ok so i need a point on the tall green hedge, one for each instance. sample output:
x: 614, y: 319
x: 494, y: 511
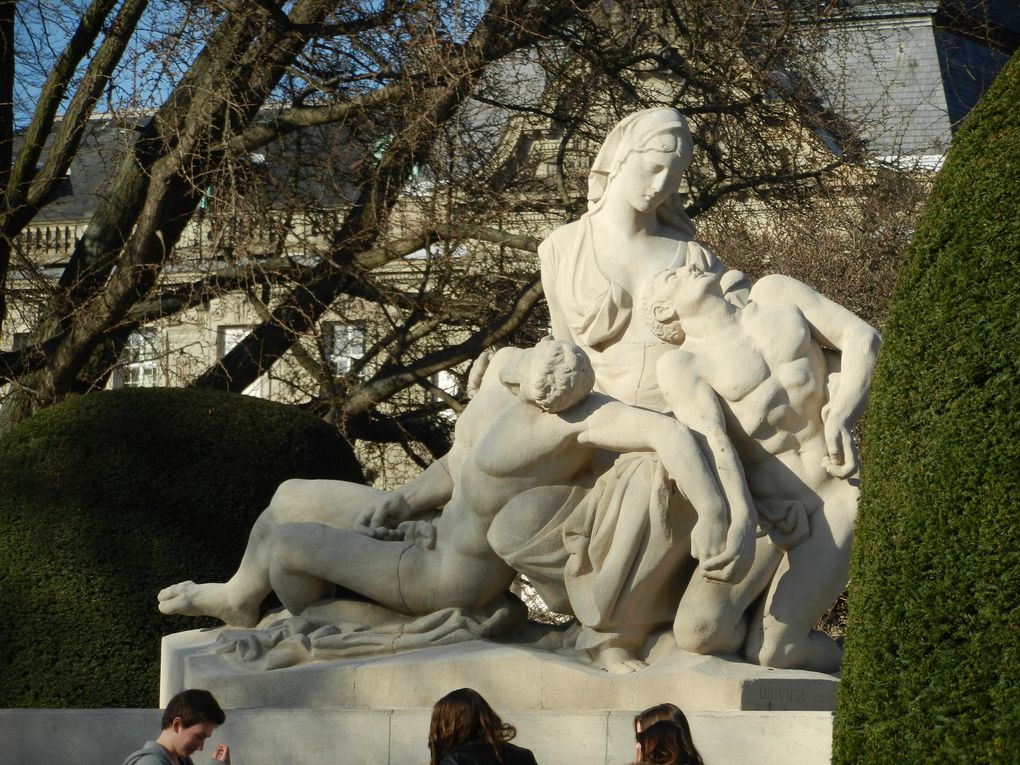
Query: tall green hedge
x: 932, y: 666
x: 107, y: 498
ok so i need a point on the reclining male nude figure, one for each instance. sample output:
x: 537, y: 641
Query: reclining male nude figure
x: 533, y: 423
x: 753, y: 379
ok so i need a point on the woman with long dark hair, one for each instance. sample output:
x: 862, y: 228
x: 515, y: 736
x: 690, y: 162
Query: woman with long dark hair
x: 663, y: 737
x: 466, y: 731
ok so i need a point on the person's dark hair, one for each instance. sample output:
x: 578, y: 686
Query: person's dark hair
x: 193, y: 706
x: 665, y: 737
x: 463, y: 715
x: 664, y: 711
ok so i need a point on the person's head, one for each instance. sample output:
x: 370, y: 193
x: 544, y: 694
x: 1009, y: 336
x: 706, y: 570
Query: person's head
x: 652, y: 715
x: 463, y: 715
x: 188, y: 720
x: 673, y: 295
x: 667, y: 741
x: 644, y: 158
x: 553, y: 375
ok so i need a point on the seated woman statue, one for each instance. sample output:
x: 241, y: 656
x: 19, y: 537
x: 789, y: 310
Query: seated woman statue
x: 626, y: 562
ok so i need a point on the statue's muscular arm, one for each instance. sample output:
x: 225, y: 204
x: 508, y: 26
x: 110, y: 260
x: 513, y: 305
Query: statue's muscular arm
x: 834, y: 327
x: 609, y: 424
x: 433, y: 488
x: 696, y: 404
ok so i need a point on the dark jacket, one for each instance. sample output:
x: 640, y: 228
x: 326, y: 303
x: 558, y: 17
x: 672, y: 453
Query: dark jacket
x: 478, y: 752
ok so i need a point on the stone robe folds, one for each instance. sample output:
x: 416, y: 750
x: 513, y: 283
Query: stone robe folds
x: 611, y: 553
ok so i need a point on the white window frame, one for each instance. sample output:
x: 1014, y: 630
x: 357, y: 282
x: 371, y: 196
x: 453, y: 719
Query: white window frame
x: 139, y: 361
x: 344, y: 343
x: 228, y: 336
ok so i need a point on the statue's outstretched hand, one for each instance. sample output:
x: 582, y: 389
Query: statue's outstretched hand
x: 381, y: 518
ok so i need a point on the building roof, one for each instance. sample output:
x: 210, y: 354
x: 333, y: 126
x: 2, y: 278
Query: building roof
x: 912, y: 70
x: 313, y: 167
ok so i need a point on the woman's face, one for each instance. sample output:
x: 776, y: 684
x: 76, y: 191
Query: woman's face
x: 648, y: 177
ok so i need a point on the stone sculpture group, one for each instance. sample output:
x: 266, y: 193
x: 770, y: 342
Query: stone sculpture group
x: 679, y: 453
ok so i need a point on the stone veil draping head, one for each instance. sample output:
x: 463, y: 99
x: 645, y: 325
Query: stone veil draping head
x: 634, y: 133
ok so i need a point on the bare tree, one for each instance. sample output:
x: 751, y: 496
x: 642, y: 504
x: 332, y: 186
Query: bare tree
x: 435, y: 144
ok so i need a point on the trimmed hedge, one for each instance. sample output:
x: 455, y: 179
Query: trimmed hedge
x: 932, y: 665
x: 107, y: 498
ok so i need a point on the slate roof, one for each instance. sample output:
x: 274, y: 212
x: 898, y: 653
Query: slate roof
x: 913, y: 70
x: 311, y: 167
x: 76, y: 196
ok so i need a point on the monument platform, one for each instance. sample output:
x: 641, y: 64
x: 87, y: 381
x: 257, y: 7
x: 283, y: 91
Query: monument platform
x: 510, y: 676
x: 376, y: 709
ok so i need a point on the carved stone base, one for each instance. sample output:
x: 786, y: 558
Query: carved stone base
x: 511, y: 676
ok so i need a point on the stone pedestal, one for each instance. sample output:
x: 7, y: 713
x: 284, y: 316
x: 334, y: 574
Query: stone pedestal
x: 509, y: 676
x: 376, y: 709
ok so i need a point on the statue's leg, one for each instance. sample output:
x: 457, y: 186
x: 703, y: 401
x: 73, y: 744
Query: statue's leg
x: 816, y: 571
x: 403, y: 576
x: 711, y: 615
x: 237, y: 601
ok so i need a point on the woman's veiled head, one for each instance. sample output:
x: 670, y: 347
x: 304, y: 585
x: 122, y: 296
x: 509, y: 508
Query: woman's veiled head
x: 661, y: 130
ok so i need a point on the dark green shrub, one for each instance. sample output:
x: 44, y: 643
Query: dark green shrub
x: 107, y: 498
x: 932, y: 666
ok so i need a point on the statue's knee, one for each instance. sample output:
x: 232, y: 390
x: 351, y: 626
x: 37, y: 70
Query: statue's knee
x: 288, y: 505
x: 696, y: 633
x: 286, y: 543
x: 287, y: 492
x: 847, y: 522
x: 773, y: 654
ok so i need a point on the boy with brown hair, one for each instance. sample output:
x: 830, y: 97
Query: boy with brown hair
x: 188, y: 720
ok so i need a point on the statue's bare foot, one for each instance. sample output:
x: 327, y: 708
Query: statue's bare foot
x: 212, y: 599
x: 816, y: 652
x: 618, y: 660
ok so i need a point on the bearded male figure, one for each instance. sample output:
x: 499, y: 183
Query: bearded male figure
x: 755, y: 383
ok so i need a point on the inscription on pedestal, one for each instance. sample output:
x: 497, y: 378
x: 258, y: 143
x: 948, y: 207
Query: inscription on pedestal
x: 804, y: 695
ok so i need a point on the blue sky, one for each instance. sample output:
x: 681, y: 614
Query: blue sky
x: 167, y: 39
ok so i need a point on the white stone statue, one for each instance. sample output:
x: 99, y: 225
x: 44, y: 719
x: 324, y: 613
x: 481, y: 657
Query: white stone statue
x: 752, y: 381
x: 522, y: 447
x: 632, y: 507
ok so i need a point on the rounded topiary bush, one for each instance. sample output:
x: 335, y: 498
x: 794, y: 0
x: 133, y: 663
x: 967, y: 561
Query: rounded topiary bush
x: 107, y: 498
x: 932, y: 662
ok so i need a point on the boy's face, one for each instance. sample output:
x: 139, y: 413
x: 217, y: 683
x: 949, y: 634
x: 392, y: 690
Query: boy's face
x: 191, y: 739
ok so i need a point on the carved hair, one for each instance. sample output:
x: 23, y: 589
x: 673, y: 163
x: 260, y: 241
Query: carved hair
x: 562, y: 375
x: 668, y: 742
x: 634, y: 134
x: 464, y: 715
x: 670, y: 330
